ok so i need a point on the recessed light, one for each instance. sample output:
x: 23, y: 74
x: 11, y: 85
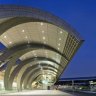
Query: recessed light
x: 26, y: 37
x: 41, y: 23
x: 5, y: 36
x: 59, y: 38
x: 43, y: 38
x: 23, y: 30
x: 58, y: 48
x: 42, y: 31
x: 61, y: 32
x: 10, y: 42
x: 58, y: 44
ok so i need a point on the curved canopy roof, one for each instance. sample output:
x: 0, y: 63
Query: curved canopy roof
x: 30, y: 33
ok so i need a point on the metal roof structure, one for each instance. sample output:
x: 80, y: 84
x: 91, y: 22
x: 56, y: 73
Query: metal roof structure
x: 76, y: 81
x: 78, y: 78
x: 43, y: 44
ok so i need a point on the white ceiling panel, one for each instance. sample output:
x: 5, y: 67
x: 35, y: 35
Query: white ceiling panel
x: 36, y: 32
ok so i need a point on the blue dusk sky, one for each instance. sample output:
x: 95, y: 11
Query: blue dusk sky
x: 81, y: 14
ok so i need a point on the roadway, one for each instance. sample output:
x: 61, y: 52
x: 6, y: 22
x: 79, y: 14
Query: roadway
x: 81, y: 93
x: 49, y: 93
x: 38, y: 93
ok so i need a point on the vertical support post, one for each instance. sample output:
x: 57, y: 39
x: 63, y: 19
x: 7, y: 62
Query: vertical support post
x: 73, y: 86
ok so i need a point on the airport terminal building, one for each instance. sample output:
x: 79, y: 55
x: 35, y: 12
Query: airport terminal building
x: 37, y: 47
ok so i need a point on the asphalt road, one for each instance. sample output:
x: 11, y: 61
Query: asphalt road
x: 77, y: 93
x: 49, y: 93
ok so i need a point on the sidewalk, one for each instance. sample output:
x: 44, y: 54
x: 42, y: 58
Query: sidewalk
x: 39, y: 93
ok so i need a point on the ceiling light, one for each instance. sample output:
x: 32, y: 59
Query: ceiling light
x: 58, y: 48
x: 42, y: 31
x: 5, y: 36
x: 59, y: 38
x: 23, y: 30
x: 43, y: 38
x: 41, y: 23
x: 26, y: 37
x: 61, y: 32
x: 10, y: 42
x: 58, y: 44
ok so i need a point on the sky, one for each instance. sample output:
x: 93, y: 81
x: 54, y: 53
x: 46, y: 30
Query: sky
x: 81, y: 14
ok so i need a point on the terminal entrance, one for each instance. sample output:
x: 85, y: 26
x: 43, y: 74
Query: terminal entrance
x: 36, y: 48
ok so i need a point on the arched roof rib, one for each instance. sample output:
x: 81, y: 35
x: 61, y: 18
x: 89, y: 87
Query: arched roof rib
x: 31, y: 67
x: 34, y: 46
x: 25, y: 62
x: 36, y: 59
x: 36, y: 79
x: 29, y: 73
x: 17, y: 21
x: 40, y: 58
x: 26, y: 78
x: 29, y: 82
x: 18, y: 11
x: 35, y: 71
x: 20, y: 48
